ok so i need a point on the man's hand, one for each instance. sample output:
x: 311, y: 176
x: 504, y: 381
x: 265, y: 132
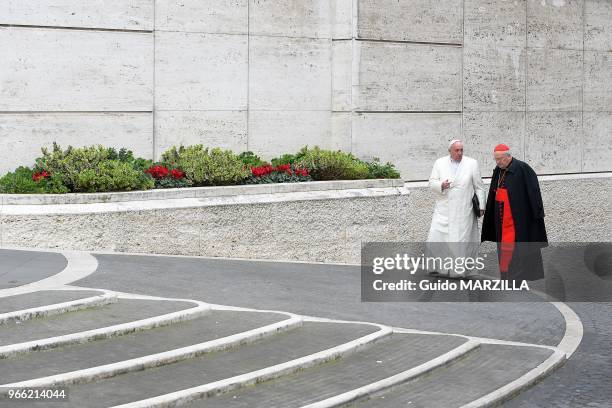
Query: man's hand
x: 481, y: 213
x: 445, y: 184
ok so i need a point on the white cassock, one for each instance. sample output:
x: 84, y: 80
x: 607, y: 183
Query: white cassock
x: 454, y: 222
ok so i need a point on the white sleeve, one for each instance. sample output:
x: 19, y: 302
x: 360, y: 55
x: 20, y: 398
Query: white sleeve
x: 435, y: 184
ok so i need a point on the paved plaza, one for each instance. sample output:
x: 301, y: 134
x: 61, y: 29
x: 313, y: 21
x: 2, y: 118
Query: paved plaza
x: 153, y: 331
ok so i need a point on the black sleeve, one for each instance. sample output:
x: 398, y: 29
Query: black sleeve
x: 533, y: 192
x: 488, y: 221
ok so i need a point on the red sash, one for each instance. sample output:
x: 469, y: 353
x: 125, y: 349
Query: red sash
x: 507, y: 229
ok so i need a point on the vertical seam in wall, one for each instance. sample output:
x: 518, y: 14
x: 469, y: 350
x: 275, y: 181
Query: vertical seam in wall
x: 248, y: 81
x: 1, y: 222
x: 355, y: 57
x: 462, y: 135
x: 332, y: 25
x: 524, y: 141
x: 582, y: 138
x: 332, y: 31
x: 153, y: 113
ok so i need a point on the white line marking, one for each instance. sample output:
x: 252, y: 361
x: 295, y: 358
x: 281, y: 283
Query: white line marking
x: 221, y: 258
x: 158, y: 359
x: 441, y: 360
x: 574, y: 331
x: 104, y: 332
x: 531, y: 377
x: 228, y: 384
x: 79, y: 265
x: 58, y: 308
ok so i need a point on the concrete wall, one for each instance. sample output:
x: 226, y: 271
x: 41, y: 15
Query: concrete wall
x: 307, y: 222
x: 380, y: 78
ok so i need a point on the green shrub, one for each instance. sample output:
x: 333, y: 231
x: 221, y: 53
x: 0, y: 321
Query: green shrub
x: 94, y: 168
x: 204, y: 167
x: 21, y: 182
x: 68, y: 164
x: 289, y: 158
x: 100, y: 169
x: 250, y: 159
x: 376, y: 170
x: 332, y: 165
x: 127, y: 156
x: 112, y: 175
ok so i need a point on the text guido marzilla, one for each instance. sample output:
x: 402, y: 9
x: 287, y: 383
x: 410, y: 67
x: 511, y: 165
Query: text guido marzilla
x: 493, y: 284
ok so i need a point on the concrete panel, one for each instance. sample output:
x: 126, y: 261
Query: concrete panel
x: 415, y: 20
x: 22, y: 135
x: 289, y: 73
x: 200, y: 71
x: 597, y: 81
x: 410, y: 77
x: 47, y: 69
x: 342, y: 18
x: 553, y: 141
x: 598, y: 25
x: 113, y: 14
x: 342, y: 69
x: 274, y: 133
x: 213, y: 16
x: 225, y: 129
x: 597, y: 143
x: 494, y: 78
x: 554, y: 80
x: 290, y: 18
x: 494, y: 22
x: 412, y: 141
x: 482, y: 131
x: 555, y: 23
x: 341, y: 124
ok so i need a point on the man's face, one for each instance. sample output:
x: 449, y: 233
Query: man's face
x: 456, y: 152
x: 502, y: 159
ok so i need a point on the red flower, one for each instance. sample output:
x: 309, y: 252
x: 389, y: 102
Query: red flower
x: 301, y: 172
x: 157, y: 172
x: 177, y: 174
x: 40, y: 175
x: 283, y: 167
x: 262, y: 170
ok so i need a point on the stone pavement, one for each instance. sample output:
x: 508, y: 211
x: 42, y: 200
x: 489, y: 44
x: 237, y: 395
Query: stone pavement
x: 149, y: 331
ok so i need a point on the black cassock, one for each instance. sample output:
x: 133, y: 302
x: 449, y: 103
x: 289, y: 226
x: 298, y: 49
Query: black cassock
x: 527, y: 210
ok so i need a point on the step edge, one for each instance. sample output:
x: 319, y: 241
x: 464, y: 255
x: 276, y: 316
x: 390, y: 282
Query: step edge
x: 158, y: 359
x: 408, y: 375
x: 104, y: 332
x: 58, y: 308
x: 217, y: 387
x: 554, y: 361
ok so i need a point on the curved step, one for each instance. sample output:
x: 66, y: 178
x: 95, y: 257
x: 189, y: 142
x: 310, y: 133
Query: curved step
x: 493, y: 366
x: 527, y: 380
x: 159, y: 359
x: 98, y: 333
x: 242, y: 365
x: 410, y: 374
x: 392, y: 360
x: 57, y: 308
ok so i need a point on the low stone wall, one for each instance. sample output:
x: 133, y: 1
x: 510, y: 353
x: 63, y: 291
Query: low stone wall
x: 324, y: 221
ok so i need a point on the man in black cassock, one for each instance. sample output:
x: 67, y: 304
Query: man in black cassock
x: 514, y: 218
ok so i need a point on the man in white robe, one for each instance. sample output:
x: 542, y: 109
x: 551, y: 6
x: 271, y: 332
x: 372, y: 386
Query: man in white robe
x: 454, y: 228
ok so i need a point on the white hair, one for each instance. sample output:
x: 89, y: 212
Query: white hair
x: 452, y: 142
